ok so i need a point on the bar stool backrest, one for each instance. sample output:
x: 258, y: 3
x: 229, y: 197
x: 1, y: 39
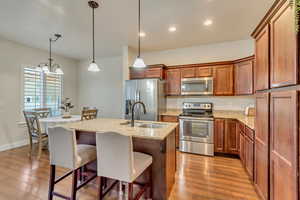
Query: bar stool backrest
x: 115, y: 153
x: 62, y: 147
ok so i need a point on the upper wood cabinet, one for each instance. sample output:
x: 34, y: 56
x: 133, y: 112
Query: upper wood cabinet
x: 204, y: 72
x: 188, y: 72
x: 284, y: 51
x: 261, y: 162
x: 276, y: 44
x: 284, y: 146
x: 219, y: 135
x: 232, y: 138
x: 244, y: 77
x: 152, y: 71
x: 261, y: 67
x: 223, y: 80
x: 173, y: 81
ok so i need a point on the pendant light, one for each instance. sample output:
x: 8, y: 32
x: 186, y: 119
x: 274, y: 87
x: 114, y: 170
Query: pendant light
x: 139, y: 62
x: 93, y: 66
x: 51, y: 67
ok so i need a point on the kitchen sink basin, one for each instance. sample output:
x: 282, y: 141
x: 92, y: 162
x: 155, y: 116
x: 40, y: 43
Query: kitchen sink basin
x: 149, y: 125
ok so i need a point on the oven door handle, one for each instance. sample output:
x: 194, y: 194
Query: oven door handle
x: 191, y: 119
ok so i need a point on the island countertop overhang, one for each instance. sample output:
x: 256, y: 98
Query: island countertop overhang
x: 103, y: 125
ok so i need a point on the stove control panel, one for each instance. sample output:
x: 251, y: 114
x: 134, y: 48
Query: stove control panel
x: 195, y: 105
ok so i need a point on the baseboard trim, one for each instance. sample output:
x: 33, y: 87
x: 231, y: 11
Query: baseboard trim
x: 13, y: 145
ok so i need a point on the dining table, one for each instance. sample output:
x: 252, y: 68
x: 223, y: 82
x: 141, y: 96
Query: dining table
x: 56, y: 121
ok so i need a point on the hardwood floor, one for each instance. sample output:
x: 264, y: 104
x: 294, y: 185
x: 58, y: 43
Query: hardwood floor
x: 197, y: 178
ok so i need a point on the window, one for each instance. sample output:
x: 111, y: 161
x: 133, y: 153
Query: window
x: 42, y: 90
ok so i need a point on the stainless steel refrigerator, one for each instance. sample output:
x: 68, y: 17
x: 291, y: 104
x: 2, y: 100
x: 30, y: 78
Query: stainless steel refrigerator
x: 151, y: 93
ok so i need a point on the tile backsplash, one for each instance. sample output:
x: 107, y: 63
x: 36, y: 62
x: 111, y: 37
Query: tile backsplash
x: 238, y: 103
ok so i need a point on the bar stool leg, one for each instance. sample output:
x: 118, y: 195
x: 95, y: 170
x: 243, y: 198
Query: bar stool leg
x: 51, y: 182
x: 74, y: 184
x: 150, y: 183
x: 100, y: 189
x: 130, y: 191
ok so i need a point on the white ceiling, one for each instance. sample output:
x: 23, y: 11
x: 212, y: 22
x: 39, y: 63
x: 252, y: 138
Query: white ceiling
x: 32, y: 22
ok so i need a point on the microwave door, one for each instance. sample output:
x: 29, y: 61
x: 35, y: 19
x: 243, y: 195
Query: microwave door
x: 197, y: 86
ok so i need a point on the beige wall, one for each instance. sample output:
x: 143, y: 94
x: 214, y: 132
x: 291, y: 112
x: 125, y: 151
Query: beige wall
x: 13, y: 57
x: 202, y: 53
x: 103, y: 89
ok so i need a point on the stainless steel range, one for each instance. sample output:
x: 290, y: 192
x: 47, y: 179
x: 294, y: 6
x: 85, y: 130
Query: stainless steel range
x: 197, y: 128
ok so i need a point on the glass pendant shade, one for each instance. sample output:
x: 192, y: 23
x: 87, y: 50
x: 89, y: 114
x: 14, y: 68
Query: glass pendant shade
x: 93, y: 67
x: 59, y: 71
x: 139, y: 63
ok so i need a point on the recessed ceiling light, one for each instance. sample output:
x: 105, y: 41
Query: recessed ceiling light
x: 208, y: 22
x: 142, y: 34
x: 172, y: 29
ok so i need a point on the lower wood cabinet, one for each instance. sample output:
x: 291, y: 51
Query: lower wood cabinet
x: 219, y: 135
x: 169, y: 118
x: 262, y: 153
x: 249, y: 156
x: 232, y: 138
x: 284, y: 147
x: 226, y: 138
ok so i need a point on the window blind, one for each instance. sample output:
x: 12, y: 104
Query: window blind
x: 42, y: 90
x: 33, y: 89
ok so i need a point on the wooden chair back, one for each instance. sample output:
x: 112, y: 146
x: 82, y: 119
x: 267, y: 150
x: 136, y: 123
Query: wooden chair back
x: 88, y: 114
x: 42, y: 112
x: 33, y: 123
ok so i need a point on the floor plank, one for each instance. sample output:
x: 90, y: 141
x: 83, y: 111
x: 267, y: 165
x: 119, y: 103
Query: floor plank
x: 197, y: 178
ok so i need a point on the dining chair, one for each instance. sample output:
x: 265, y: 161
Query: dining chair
x: 66, y: 153
x: 88, y: 114
x: 119, y: 162
x: 43, y: 112
x: 34, y: 130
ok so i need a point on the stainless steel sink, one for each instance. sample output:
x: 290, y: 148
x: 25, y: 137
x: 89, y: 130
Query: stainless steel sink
x: 149, y: 125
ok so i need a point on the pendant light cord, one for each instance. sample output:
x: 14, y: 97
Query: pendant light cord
x: 139, y: 27
x: 93, y: 35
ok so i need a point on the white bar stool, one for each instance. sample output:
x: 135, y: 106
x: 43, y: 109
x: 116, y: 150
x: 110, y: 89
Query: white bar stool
x: 119, y: 162
x: 64, y: 152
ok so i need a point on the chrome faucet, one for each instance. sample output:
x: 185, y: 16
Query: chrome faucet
x: 132, y: 111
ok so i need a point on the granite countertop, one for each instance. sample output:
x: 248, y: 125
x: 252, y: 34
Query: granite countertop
x: 114, y: 125
x: 227, y: 114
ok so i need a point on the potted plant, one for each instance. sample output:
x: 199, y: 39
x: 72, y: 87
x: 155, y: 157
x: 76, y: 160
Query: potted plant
x: 66, y: 106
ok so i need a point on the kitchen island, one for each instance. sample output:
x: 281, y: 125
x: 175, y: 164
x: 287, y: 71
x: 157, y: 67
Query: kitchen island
x: 154, y: 138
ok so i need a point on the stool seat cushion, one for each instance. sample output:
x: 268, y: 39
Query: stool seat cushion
x: 141, y: 163
x: 85, y: 154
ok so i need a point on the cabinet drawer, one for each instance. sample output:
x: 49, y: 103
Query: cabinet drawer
x: 168, y: 118
x: 249, y: 132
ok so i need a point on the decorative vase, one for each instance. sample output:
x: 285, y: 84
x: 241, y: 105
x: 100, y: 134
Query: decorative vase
x: 66, y: 114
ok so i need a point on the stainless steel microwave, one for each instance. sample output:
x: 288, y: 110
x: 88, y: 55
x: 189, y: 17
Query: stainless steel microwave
x: 197, y: 86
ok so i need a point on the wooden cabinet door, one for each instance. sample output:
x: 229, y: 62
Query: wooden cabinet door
x: 284, y: 145
x: 223, y: 80
x: 204, y: 72
x: 136, y: 73
x: 284, y: 56
x: 249, y: 156
x: 173, y: 82
x: 188, y: 72
x: 261, y: 162
x: 232, y: 139
x: 242, y: 147
x: 154, y: 73
x: 219, y: 135
x: 168, y: 118
x: 261, y: 67
x: 244, y: 78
